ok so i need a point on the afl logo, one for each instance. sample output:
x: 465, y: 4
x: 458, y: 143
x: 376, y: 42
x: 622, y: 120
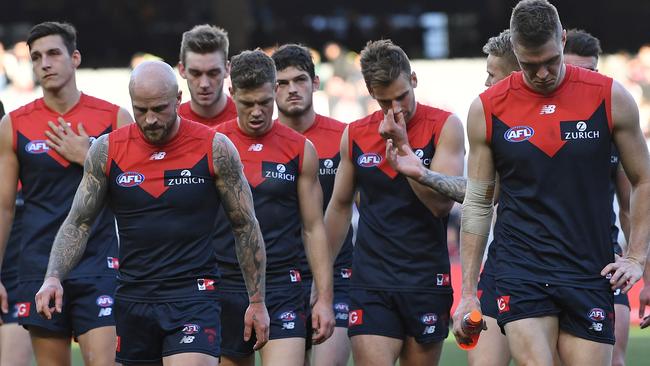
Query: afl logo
x: 104, y: 301
x: 519, y: 134
x: 597, y: 314
x: 328, y: 163
x: 280, y: 168
x: 288, y: 316
x: 369, y: 160
x: 429, y: 319
x: 129, y: 179
x: 37, y: 147
x: 581, y: 126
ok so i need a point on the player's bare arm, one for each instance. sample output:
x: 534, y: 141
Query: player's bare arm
x: 477, y: 210
x: 633, y: 151
x: 9, y: 174
x: 310, y: 196
x: 447, y: 160
x: 238, y: 205
x: 70, y: 241
x: 237, y: 202
x: 404, y: 161
x: 339, y: 210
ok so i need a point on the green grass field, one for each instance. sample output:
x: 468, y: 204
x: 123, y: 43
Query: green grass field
x: 638, y: 351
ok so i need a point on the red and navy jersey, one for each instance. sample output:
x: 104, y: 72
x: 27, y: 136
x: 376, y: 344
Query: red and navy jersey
x: 325, y: 133
x: 272, y: 165
x: 400, y: 245
x: 12, y: 252
x: 49, y: 183
x: 552, y: 154
x: 228, y: 113
x: 165, y: 201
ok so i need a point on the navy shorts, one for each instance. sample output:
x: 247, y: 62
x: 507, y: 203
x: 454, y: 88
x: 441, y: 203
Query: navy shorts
x: 585, y: 313
x: 421, y: 315
x: 621, y: 298
x: 487, y: 295
x: 286, y: 309
x: 306, y: 288
x: 11, y: 285
x: 87, y: 304
x: 147, y: 332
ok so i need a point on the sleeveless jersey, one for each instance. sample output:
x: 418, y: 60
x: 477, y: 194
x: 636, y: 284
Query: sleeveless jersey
x: 165, y: 202
x: 49, y: 183
x: 229, y: 112
x: 12, y: 252
x: 272, y: 164
x: 400, y: 245
x: 325, y: 134
x: 552, y: 154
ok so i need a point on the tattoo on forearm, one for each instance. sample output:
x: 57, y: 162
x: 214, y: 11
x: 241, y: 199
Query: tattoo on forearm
x: 449, y: 186
x: 237, y: 202
x: 70, y: 242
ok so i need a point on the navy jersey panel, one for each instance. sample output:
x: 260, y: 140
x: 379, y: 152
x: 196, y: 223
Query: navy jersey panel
x: 165, y: 201
x: 552, y: 154
x: 49, y: 183
x: 326, y: 134
x: 12, y: 251
x: 272, y: 164
x: 400, y: 245
x: 614, y: 161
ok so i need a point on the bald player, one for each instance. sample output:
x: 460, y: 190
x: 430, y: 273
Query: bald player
x: 161, y: 176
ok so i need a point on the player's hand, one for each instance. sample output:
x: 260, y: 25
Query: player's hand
x: 4, y: 302
x: 257, y: 318
x: 394, y: 127
x: 404, y: 160
x: 467, y: 304
x: 625, y: 272
x: 322, y: 321
x: 50, y: 290
x: 73, y: 147
x: 644, y: 300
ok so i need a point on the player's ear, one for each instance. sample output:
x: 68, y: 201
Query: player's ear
x: 414, y: 79
x: 316, y: 82
x: 181, y: 70
x: 76, y: 58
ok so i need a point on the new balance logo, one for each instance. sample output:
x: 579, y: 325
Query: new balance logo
x: 105, y: 312
x: 547, y: 109
x: 187, y: 339
x: 256, y: 147
x: 158, y: 155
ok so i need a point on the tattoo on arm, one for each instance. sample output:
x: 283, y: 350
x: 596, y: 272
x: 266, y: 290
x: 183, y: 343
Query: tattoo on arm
x: 449, y: 186
x: 237, y: 202
x: 70, y: 242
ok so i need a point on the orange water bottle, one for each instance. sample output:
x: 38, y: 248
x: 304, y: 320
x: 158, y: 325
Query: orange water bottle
x: 472, y: 326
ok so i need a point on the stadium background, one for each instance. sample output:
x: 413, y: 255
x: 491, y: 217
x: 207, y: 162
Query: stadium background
x: 443, y: 38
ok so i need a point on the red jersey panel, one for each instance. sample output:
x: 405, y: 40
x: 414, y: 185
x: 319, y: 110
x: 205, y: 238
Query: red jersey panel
x: 400, y: 245
x: 553, y: 155
x: 49, y: 183
x: 228, y: 113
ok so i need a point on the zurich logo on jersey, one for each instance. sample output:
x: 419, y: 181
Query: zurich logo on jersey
x: 129, y: 179
x: 519, y: 134
x: 37, y: 147
x: 369, y: 160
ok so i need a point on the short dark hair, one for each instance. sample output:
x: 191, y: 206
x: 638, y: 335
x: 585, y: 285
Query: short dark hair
x: 382, y: 62
x: 581, y: 43
x: 251, y: 69
x: 67, y: 32
x: 534, y: 22
x: 204, y: 39
x: 294, y: 55
x: 501, y: 46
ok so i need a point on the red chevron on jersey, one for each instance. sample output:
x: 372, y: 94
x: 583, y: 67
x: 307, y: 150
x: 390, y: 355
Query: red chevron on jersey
x: 540, y: 119
x: 325, y: 133
x: 423, y: 130
x: 31, y: 121
x: 156, y: 176
x: 261, y: 162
